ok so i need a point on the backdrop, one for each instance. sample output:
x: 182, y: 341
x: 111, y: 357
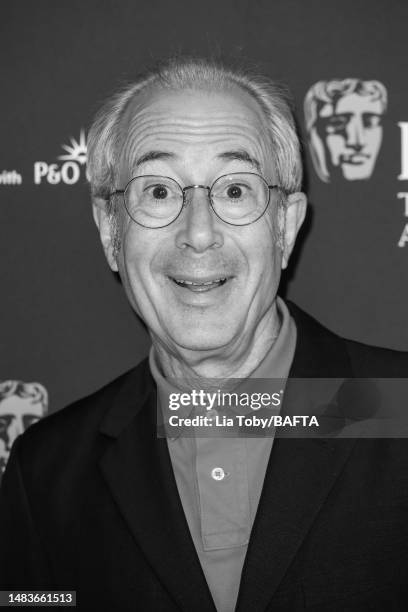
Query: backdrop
x: 66, y: 325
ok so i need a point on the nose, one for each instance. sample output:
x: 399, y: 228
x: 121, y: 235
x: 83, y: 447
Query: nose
x: 13, y: 431
x: 199, y: 228
x: 355, y: 133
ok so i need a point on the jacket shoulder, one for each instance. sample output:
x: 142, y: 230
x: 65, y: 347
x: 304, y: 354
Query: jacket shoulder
x: 341, y: 354
x: 66, y: 436
x: 374, y: 361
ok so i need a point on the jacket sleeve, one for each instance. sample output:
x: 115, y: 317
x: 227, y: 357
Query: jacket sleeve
x: 23, y: 564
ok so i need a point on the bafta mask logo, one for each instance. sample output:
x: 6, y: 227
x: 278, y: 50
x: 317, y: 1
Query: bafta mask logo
x: 21, y: 405
x: 343, y: 123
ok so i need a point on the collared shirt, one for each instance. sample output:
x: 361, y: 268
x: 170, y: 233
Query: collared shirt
x: 219, y: 479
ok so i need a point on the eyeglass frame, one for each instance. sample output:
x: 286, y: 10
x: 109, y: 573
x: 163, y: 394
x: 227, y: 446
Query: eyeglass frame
x: 207, y: 187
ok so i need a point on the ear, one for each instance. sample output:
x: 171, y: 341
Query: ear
x: 104, y: 225
x: 295, y: 213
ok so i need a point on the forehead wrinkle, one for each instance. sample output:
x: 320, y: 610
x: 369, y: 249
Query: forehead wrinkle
x: 149, y: 130
x: 152, y: 110
x: 247, y: 154
x: 203, y: 138
x: 162, y: 139
x: 194, y: 128
x: 155, y: 122
x: 151, y: 135
x: 151, y: 115
x: 213, y: 136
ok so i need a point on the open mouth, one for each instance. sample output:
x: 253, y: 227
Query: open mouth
x: 200, y: 286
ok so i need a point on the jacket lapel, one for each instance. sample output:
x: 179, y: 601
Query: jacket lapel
x: 300, y: 473
x: 138, y: 472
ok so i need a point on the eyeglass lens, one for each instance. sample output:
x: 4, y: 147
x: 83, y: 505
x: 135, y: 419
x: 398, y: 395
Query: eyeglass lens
x: 156, y: 201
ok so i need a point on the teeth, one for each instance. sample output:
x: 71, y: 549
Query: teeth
x: 211, y: 282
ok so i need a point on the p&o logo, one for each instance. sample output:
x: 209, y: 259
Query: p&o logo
x: 69, y: 171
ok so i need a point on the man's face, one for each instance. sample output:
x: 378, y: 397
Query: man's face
x: 352, y: 132
x: 16, y: 414
x: 195, y: 137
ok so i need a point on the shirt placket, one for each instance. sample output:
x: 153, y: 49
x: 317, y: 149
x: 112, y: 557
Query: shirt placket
x: 222, y: 479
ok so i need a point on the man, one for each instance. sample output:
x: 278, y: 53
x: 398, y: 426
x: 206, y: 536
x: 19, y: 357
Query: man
x: 343, y: 120
x: 195, y: 174
x: 21, y: 405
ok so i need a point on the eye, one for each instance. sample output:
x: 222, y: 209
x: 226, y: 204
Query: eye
x: 30, y: 419
x: 5, y: 423
x: 234, y: 192
x: 337, y: 123
x: 160, y: 192
x: 371, y: 120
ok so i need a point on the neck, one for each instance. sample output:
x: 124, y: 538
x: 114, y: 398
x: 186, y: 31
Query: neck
x: 237, y: 362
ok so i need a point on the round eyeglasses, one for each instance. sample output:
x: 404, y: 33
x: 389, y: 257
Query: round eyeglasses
x: 239, y: 198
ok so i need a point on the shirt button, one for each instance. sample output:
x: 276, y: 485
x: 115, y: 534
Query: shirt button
x: 217, y: 473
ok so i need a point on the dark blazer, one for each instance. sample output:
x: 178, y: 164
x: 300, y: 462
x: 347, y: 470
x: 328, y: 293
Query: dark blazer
x: 89, y: 502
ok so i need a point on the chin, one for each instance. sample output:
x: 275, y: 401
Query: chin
x: 197, y: 339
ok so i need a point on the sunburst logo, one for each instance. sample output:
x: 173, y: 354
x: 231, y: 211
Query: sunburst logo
x: 76, y: 151
x: 69, y: 170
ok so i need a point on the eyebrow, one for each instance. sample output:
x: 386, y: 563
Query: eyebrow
x: 241, y: 155
x: 152, y: 156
